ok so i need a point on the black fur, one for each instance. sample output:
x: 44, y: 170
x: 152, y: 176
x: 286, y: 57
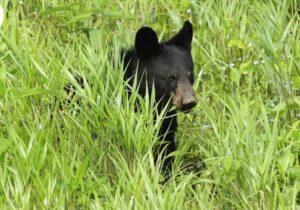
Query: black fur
x: 166, y: 65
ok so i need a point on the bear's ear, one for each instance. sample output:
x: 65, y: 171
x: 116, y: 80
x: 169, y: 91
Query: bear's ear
x: 146, y: 42
x: 184, y: 37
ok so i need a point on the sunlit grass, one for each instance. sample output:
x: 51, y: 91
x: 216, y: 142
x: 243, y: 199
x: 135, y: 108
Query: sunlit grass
x: 238, y: 149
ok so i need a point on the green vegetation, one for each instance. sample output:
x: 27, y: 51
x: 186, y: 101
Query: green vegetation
x: 238, y: 149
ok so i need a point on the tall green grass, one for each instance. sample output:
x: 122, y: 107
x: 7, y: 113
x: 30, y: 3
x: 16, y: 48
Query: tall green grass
x: 238, y: 149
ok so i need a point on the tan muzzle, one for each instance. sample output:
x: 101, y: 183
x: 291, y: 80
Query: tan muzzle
x: 184, y: 96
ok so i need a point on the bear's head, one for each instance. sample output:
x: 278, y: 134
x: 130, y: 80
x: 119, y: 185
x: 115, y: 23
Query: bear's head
x: 168, y: 66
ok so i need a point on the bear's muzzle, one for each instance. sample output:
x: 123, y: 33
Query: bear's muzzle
x: 184, y: 96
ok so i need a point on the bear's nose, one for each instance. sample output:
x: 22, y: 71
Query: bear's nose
x: 188, y: 104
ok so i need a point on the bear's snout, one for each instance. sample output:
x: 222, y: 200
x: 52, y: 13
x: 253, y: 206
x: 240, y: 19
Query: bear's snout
x: 184, y: 96
x: 188, y: 104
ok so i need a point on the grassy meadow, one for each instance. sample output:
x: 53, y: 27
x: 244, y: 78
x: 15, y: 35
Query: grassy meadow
x: 238, y: 149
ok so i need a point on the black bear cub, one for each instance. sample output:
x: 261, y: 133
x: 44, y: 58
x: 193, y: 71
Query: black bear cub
x: 168, y: 66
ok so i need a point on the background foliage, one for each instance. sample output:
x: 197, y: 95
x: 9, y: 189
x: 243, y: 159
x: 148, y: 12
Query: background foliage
x: 238, y: 149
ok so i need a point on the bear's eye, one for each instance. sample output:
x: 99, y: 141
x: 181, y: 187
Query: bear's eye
x: 172, y: 78
x: 191, y: 77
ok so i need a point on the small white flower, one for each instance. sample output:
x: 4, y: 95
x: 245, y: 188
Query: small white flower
x: 273, y: 104
x: 231, y: 65
x: 258, y: 62
x: 1, y: 15
x: 228, y: 152
x: 204, y: 127
x: 40, y: 126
